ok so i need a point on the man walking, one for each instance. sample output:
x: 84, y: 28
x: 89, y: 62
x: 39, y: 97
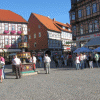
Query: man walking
x: 47, y: 61
x: 16, y: 62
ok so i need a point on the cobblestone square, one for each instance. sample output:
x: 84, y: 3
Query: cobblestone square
x: 60, y: 84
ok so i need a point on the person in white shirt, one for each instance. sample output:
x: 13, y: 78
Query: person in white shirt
x: 77, y: 62
x: 34, y: 62
x: 16, y: 62
x: 47, y: 61
x: 84, y: 56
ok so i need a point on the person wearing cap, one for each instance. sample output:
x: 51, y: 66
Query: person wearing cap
x: 2, y: 60
x: 16, y: 62
x: 47, y: 61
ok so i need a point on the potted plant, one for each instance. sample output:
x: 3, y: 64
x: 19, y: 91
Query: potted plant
x: 7, y: 46
x: 6, y: 31
x: 19, y: 32
x: 13, y: 32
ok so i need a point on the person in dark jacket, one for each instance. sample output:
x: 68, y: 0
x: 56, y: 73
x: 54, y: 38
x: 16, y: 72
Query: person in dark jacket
x: 90, y: 61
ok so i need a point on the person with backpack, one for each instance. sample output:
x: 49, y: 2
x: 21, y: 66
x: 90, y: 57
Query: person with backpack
x: 97, y: 59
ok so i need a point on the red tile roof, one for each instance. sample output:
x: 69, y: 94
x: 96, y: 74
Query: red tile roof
x: 9, y: 16
x: 47, y: 22
x: 51, y: 24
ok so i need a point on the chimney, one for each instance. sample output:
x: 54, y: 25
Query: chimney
x: 48, y: 17
x: 53, y: 19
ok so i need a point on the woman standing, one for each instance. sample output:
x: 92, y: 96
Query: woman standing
x: 77, y: 62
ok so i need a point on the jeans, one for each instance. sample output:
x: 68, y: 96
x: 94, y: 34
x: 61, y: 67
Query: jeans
x: 77, y: 65
x: 91, y: 64
x: 97, y: 64
x: 3, y: 74
x: 82, y: 64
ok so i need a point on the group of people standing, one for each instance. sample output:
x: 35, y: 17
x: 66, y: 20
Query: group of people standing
x: 83, y: 61
x: 65, y: 60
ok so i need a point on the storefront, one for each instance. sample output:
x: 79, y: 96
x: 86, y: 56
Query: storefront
x: 8, y: 54
x: 82, y: 40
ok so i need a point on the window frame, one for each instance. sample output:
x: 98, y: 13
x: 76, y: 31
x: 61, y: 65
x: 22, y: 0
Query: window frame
x: 93, y: 8
x: 88, y: 10
x: 80, y: 13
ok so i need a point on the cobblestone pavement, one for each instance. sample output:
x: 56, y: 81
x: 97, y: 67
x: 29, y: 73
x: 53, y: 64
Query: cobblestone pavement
x: 60, y: 84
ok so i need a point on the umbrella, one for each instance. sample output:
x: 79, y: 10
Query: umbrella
x: 96, y: 50
x: 84, y: 49
x: 77, y: 50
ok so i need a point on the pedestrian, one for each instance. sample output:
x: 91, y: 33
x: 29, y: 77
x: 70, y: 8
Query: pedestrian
x: 16, y: 62
x: 1, y: 74
x: 3, y: 67
x: 81, y: 61
x: 47, y: 61
x: 77, y: 62
x: 97, y: 59
x: 30, y: 59
x: 85, y: 63
x: 34, y: 62
x: 70, y: 60
x: 90, y: 61
x: 40, y: 61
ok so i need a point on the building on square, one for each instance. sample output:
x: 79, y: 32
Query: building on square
x: 84, y: 18
x: 11, y: 27
x: 46, y: 35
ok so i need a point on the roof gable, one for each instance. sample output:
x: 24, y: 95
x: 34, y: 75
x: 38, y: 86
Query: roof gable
x: 9, y: 16
x: 47, y: 22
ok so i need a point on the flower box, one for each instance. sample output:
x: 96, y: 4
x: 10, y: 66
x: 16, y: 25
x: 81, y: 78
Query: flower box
x: 6, y: 32
x: 7, y: 46
x: 13, y: 32
x: 19, y: 32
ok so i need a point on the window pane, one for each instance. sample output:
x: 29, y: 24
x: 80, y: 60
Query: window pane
x: 94, y: 8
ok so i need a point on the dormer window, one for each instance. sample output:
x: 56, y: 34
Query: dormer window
x: 63, y: 27
x: 69, y: 29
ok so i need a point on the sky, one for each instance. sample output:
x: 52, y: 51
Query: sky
x: 58, y: 9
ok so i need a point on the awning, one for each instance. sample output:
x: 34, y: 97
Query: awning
x: 93, y: 42
x: 10, y: 50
